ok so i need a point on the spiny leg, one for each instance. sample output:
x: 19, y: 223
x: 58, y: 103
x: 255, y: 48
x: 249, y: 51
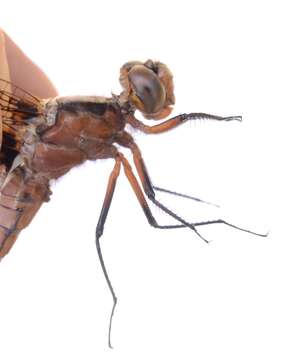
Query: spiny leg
x: 141, y: 198
x: 126, y: 140
x: 103, y: 216
x: 138, y: 191
x: 141, y: 165
x: 207, y: 222
x: 176, y: 121
x: 150, y: 194
x: 221, y: 221
x: 183, y: 195
x: 99, y: 232
x: 218, y: 221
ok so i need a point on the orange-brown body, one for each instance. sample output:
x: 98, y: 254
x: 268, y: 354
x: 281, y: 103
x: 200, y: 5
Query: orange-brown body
x: 43, y: 139
x: 70, y: 131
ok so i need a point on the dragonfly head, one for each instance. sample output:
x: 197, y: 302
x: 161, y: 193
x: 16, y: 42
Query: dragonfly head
x: 149, y: 87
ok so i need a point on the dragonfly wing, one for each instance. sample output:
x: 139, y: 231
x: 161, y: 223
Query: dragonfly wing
x: 17, y: 104
x: 17, y: 108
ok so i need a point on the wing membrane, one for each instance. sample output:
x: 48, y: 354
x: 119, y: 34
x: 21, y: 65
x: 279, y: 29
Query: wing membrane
x: 16, y: 103
x: 17, y: 108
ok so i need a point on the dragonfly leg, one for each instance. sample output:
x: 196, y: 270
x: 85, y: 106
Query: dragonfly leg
x: 99, y: 232
x: 156, y: 188
x: 176, y: 121
x: 126, y: 140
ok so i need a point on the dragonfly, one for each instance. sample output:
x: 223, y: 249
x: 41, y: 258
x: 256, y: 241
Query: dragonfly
x: 42, y: 139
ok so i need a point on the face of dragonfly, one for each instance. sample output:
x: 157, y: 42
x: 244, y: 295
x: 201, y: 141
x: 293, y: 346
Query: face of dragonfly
x: 149, y: 87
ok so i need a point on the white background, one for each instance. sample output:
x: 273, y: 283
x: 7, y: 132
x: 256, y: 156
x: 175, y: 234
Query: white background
x: 178, y: 297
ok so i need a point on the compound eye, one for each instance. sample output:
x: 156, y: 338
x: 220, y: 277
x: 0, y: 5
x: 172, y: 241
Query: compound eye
x: 148, y: 93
